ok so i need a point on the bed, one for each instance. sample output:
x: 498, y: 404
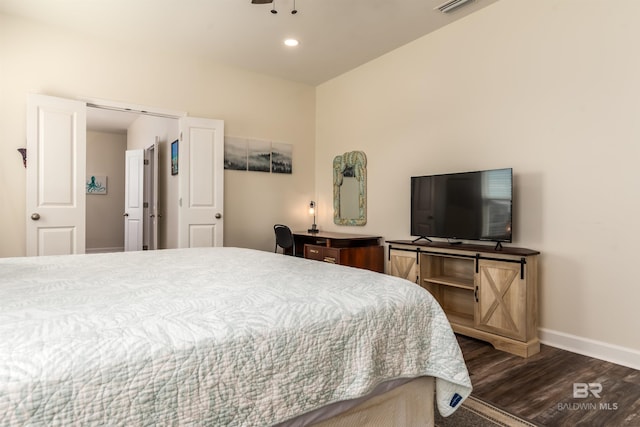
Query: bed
x: 219, y: 337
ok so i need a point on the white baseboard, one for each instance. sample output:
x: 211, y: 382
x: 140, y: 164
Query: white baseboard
x: 592, y: 348
x: 102, y: 250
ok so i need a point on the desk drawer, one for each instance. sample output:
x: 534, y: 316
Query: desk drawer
x: 369, y: 257
x: 314, y: 252
x: 322, y: 253
x: 331, y: 255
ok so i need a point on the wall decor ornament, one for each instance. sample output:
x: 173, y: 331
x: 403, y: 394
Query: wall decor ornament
x: 96, y: 184
x: 23, y: 152
x: 281, y: 158
x: 174, y: 157
x: 350, y: 188
x: 257, y: 155
x: 235, y: 153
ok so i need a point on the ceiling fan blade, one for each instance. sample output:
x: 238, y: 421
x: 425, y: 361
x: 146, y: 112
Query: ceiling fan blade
x: 261, y: 1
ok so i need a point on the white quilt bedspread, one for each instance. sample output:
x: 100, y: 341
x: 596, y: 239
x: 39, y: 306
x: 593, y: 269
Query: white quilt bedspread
x: 217, y: 337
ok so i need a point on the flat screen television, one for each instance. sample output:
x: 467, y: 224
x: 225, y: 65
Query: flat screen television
x: 463, y: 206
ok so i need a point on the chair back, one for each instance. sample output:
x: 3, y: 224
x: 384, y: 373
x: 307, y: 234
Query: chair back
x: 284, y: 238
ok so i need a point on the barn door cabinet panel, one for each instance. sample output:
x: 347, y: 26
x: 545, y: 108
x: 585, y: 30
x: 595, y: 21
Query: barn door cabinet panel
x: 487, y: 293
x: 403, y: 262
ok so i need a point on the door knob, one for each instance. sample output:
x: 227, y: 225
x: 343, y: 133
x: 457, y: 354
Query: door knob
x: 35, y: 216
x: 125, y: 214
x: 218, y: 215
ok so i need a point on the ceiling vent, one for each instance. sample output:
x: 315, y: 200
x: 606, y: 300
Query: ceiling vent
x: 450, y: 5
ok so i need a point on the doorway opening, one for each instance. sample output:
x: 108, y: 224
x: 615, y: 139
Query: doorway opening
x: 111, y: 133
x: 191, y: 205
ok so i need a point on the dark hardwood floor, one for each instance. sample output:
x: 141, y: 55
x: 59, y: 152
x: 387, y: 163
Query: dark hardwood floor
x: 541, y: 388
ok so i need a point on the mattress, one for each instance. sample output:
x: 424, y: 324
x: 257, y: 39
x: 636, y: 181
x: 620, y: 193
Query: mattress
x: 209, y: 336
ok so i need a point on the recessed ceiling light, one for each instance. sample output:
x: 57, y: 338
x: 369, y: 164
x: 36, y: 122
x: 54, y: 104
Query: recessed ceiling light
x: 291, y: 42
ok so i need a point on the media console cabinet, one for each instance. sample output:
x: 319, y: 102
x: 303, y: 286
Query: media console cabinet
x: 487, y: 293
x: 354, y: 250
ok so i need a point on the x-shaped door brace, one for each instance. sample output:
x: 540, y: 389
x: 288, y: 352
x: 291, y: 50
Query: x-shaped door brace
x: 406, y: 265
x: 499, y: 295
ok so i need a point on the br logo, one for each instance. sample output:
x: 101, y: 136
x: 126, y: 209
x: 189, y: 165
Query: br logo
x: 582, y: 390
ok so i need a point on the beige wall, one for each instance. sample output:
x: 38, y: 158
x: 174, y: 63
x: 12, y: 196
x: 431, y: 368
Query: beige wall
x: 40, y: 59
x: 105, y: 156
x: 548, y: 87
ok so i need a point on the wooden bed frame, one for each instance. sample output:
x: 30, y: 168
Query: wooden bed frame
x: 411, y: 404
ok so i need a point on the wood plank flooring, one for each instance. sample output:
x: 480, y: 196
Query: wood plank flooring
x: 541, y: 388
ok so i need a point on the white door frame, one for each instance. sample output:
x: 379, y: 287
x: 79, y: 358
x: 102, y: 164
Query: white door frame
x: 117, y: 106
x: 133, y: 108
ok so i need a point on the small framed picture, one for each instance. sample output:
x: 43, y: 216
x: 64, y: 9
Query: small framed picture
x: 174, y: 157
x: 96, y: 184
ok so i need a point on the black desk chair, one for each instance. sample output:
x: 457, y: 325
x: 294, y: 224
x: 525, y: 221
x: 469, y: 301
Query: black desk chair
x: 284, y: 239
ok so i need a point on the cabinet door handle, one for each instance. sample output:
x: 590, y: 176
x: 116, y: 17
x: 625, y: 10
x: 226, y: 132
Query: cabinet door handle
x: 314, y: 251
x: 332, y: 260
x: 475, y: 294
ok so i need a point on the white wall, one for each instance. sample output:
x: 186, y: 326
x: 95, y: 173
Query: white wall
x: 105, y: 227
x: 40, y: 59
x: 550, y: 88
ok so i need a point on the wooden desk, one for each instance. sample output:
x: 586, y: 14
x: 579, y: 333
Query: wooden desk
x: 355, y: 250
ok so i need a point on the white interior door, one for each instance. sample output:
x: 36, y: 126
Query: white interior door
x: 56, y: 169
x: 201, y: 172
x: 151, y: 217
x: 134, y: 200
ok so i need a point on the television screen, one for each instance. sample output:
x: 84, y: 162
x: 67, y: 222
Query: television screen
x: 463, y: 206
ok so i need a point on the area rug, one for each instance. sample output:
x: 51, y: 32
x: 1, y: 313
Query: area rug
x: 476, y: 413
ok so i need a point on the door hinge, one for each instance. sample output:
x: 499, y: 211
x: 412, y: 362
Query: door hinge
x: 145, y: 248
x: 146, y: 162
x: 180, y: 136
x: 145, y: 205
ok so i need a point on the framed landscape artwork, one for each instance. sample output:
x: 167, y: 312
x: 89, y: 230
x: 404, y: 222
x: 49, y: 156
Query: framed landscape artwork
x: 246, y: 154
x: 174, y: 157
